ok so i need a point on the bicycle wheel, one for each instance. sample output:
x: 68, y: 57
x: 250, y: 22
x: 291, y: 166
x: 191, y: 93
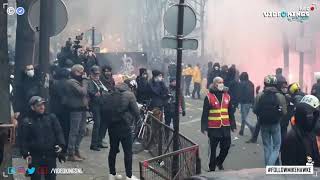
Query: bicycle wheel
x: 145, y: 137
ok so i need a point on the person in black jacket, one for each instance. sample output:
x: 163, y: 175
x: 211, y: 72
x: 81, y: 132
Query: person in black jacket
x: 143, y: 88
x: 280, y: 78
x: 125, y: 113
x: 217, y: 133
x: 28, y: 86
x: 96, y: 90
x: 233, y: 91
x: 246, y: 100
x: 301, y: 144
x: 42, y: 138
x: 158, y: 93
x: 209, y: 70
x: 106, y: 78
x: 57, y: 94
x: 215, y: 72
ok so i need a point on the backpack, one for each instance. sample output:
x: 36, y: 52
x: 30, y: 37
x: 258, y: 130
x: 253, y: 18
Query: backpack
x: 115, y: 106
x: 269, y: 110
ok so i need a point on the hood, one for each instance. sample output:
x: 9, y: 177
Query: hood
x: 244, y: 76
x: 270, y: 89
x: 122, y: 87
x: 142, y: 71
x: 216, y: 65
x: 231, y: 74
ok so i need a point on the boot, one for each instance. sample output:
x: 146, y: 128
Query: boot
x: 132, y: 178
x: 74, y: 158
x: 77, y: 153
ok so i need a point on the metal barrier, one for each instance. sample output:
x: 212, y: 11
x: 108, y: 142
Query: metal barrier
x: 163, y: 165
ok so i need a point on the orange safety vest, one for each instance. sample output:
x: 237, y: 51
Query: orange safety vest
x: 218, y: 113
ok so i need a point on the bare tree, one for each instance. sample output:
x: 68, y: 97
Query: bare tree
x: 4, y: 90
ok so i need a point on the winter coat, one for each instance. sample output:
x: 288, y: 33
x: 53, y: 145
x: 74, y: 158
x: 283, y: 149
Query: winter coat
x: 130, y: 111
x: 233, y: 87
x: 187, y: 71
x: 224, y: 131
x: 108, y: 82
x: 57, y: 95
x: 211, y: 75
x: 25, y: 89
x: 93, y: 89
x: 171, y: 104
x: 40, y: 133
x: 158, y: 93
x: 143, y: 89
x: 281, y: 98
x: 196, y: 75
x: 297, y: 146
x: 246, y: 91
x: 76, y: 98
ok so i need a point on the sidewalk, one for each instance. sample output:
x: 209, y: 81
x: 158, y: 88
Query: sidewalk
x: 95, y: 167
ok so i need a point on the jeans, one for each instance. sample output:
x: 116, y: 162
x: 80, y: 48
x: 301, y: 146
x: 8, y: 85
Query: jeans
x: 271, y: 138
x: 196, y: 89
x: 126, y: 142
x: 188, y: 80
x: 95, y: 138
x: 77, y: 130
x: 244, y: 110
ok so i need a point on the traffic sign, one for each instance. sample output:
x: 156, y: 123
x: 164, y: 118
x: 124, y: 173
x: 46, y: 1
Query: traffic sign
x: 98, y: 37
x: 172, y: 43
x: 170, y: 20
x: 59, y: 17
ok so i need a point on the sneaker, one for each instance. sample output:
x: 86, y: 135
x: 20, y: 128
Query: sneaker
x: 132, y: 178
x: 77, y: 154
x: 74, y: 158
x: 95, y: 148
x: 115, y: 177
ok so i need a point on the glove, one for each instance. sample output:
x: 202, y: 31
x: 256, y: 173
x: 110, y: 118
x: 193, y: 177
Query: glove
x: 57, y: 149
x: 183, y: 113
x: 62, y: 157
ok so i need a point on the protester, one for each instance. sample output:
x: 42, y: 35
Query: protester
x: 42, y: 139
x: 58, y: 101
x: 280, y: 78
x: 197, y: 80
x: 284, y: 123
x: 27, y: 87
x: 106, y: 78
x: 295, y: 93
x: 216, y: 124
x: 316, y: 87
x: 224, y: 72
x: 246, y: 100
x: 97, y: 91
x: 169, y: 110
x: 215, y: 72
x: 256, y: 132
x: 77, y: 104
x: 187, y: 73
x: 301, y: 143
x: 233, y: 91
x: 124, y: 111
x: 209, y: 71
x: 142, y: 83
x: 158, y: 93
x: 270, y: 107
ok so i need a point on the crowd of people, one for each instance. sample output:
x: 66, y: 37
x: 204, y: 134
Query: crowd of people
x: 277, y: 106
x: 55, y: 129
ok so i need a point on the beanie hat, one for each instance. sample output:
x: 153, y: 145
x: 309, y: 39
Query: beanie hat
x: 156, y: 73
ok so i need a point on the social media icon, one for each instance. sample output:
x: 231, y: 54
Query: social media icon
x: 20, y: 11
x: 21, y: 170
x: 43, y: 170
x: 12, y: 170
x: 31, y: 170
x: 11, y: 11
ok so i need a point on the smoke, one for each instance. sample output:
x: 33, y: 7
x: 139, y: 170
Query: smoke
x: 238, y: 33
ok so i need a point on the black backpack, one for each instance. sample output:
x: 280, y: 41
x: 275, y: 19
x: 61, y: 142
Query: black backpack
x: 269, y: 109
x: 116, y: 106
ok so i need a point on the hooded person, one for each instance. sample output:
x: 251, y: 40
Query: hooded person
x: 300, y: 143
x: 215, y: 72
x: 216, y: 122
x: 158, y: 93
x: 142, y: 83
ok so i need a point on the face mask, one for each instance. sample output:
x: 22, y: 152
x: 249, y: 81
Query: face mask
x: 78, y: 78
x: 145, y: 76
x: 216, y: 68
x: 284, y: 90
x: 220, y: 87
x: 158, y: 79
x: 30, y: 73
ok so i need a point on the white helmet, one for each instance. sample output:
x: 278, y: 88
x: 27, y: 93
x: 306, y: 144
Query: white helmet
x: 311, y: 101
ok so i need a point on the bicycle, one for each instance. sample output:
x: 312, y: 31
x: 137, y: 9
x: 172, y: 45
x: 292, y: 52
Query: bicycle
x: 143, y: 128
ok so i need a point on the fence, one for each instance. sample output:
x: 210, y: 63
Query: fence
x: 163, y: 166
